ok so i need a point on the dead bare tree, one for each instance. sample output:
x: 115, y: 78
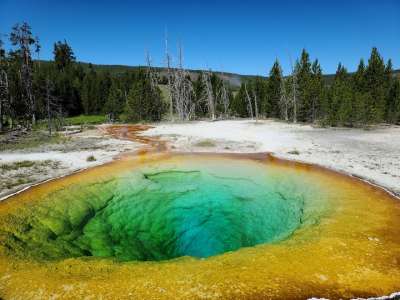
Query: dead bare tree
x: 151, y: 74
x: 37, y: 50
x: 4, y: 85
x: 21, y: 36
x: 294, y: 90
x: 255, y: 105
x: 178, y: 87
x: 169, y: 81
x: 249, y: 102
x: 182, y: 90
x: 209, y: 94
x: 4, y: 94
x: 48, y: 100
x: 53, y: 107
x: 283, y: 100
x: 224, y: 97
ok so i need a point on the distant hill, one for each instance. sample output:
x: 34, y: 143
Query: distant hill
x: 233, y: 79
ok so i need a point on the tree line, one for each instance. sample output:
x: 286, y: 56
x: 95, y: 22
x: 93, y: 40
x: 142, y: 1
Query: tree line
x: 370, y: 95
x: 32, y: 90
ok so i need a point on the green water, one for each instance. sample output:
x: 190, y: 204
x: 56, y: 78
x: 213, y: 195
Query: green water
x: 164, y: 211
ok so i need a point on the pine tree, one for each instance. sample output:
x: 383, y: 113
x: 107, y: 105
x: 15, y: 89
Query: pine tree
x: 215, y: 82
x: 200, y: 96
x: 342, y: 95
x: 115, y: 103
x: 239, y: 103
x: 316, y: 90
x: 340, y: 109
x: 67, y: 85
x: 359, y: 82
x: 393, y: 105
x: 89, y: 91
x: 21, y: 37
x: 271, y: 106
x: 63, y: 55
x: 388, y: 79
x: 304, y: 81
x: 360, y: 95
x: 375, y: 87
x: 144, y: 102
x: 258, y: 89
x: 103, y: 87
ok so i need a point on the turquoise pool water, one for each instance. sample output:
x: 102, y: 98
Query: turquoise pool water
x: 167, y: 210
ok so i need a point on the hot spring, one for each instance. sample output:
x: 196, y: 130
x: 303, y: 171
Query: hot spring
x: 167, y: 210
x: 224, y: 225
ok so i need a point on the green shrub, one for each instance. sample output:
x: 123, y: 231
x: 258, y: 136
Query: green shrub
x: 91, y: 158
x: 294, y: 152
x: 205, y: 143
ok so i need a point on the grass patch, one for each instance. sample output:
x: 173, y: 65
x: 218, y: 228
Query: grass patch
x: 205, y: 143
x: 11, y: 184
x: 74, y: 121
x: 17, y: 165
x: 28, y: 164
x: 40, y: 125
x: 24, y: 164
x: 86, y: 120
x: 24, y: 172
x: 32, y: 139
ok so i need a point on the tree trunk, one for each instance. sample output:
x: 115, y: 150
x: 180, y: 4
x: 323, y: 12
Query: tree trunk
x: 294, y: 87
x: 250, y: 105
x: 1, y: 115
x: 210, y: 96
x: 256, y: 106
x: 48, y: 106
x: 3, y: 96
x: 168, y: 63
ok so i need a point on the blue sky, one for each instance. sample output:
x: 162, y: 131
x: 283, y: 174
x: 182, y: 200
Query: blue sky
x: 234, y: 36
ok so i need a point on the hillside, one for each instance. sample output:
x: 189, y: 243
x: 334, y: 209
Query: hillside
x: 233, y: 79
